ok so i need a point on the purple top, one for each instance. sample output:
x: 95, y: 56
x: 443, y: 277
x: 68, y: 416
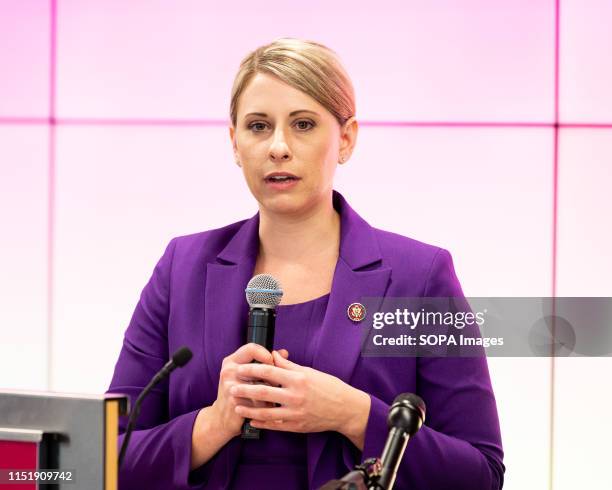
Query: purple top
x: 279, y: 459
x: 198, y: 286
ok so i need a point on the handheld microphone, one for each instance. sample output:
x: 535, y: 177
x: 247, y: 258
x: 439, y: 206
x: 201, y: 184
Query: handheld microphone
x: 263, y: 294
x: 406, y: 416
x: 179, y: 359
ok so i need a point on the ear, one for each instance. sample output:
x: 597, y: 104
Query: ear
x: 348, y: 138
x: 232, y: 135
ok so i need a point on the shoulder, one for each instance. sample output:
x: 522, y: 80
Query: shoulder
x: 397, y: 249
x: 428, y: 264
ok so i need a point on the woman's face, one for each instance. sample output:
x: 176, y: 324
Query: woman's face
x: 280, y: 129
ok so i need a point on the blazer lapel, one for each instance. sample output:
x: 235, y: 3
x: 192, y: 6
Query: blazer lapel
x: 340, y: 342
x: 226, y: 309
x: 225, y: 319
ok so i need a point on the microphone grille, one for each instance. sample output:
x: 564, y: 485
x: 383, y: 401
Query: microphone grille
x: 263, y: 290
x: 407, y: 413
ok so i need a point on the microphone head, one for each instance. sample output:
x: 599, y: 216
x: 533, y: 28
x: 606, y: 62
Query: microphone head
x: 407, y: 413
x: 263, y: 291
x: 182, y: 356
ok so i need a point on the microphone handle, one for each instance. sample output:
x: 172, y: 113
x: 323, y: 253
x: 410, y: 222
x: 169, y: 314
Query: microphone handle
x: 392, y: 457
x: 260, y: 331
x: 261, y: 327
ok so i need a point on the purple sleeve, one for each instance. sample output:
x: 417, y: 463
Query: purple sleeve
x: 459, y: 446
x: 159, y: 452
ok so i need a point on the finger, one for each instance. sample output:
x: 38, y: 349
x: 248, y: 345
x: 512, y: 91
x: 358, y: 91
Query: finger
x: 272, y: 374
x: 251, y: 352
x: 247, y: 379
x: 265, y: 414
x: 261, y: 404
x: 261, y: 392
x: 284, y: 353
x: 246, y: 402
x: 283, y: 362
x: 273, y: 425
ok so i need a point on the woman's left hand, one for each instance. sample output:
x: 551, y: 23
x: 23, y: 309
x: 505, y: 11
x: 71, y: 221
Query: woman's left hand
x: 311, y: 400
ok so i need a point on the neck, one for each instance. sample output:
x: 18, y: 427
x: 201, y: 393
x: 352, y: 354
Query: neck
x: 313, y: 234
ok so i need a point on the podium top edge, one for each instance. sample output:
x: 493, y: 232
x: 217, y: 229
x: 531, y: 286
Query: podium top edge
x: 20, y: 435
x: 55, y: 394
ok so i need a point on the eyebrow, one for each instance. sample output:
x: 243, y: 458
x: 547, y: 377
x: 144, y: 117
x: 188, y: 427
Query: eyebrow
x: 263, y: 114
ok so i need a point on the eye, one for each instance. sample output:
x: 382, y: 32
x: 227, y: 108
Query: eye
x: 257, y: 127
x: 304, y: 125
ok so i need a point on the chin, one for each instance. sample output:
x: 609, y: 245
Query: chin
x: 287, y: 203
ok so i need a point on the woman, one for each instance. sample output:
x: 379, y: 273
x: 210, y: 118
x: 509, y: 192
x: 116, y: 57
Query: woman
x: 324, y: 408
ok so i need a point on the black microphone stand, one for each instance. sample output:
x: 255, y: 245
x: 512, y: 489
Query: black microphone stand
x: 406, y: 416
x: 179, y: 359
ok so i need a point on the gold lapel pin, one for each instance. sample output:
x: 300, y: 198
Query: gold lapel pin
x: 356, y: 312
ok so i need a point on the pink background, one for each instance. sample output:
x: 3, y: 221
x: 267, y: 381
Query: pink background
x: 486, y: 128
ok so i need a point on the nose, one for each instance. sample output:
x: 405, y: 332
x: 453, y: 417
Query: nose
x: 279, y: 150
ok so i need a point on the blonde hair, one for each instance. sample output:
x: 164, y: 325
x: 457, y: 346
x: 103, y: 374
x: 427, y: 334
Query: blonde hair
x: 307, y: 66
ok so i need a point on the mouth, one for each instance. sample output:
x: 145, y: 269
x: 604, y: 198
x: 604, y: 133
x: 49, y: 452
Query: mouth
x: 281, y: 181
x: 280, y: 177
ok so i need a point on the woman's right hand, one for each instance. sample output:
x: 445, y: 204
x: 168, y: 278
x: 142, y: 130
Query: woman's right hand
x: 218, y: 423
x: 223, y: 409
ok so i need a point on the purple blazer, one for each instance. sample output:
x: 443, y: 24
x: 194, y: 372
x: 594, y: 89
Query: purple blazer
x: 195, y: 297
